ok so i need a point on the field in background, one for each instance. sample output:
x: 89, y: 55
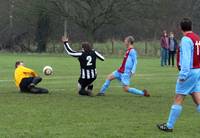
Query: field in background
x: 63, y: 113
x: 148, y: 48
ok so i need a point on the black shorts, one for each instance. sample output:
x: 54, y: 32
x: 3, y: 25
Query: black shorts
x: 25, y: 83
x: 85, y: 82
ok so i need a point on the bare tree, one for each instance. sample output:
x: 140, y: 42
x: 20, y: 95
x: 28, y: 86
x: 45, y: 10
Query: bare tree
x: 91, y: 15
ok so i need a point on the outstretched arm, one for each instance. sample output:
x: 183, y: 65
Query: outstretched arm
x: 30, y: 71
x: 68, y: 49
x: 134, y: 59
x: 99, y: 56
x: 186, y: 56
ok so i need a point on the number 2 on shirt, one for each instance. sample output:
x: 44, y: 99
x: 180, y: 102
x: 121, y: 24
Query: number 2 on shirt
x: 89, y: 61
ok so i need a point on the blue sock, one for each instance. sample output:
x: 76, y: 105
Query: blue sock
x: 174, y: 115
x: 198, y: 108
x: 135, y: 91
x: 105, y: 86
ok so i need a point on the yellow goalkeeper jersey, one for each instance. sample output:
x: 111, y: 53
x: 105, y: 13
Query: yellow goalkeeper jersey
x: 22, y: 72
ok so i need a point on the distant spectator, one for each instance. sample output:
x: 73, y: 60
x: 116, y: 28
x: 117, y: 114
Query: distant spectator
x: 172, y: 48
x: 164, y: 42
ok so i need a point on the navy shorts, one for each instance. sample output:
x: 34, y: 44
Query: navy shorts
x: 25, y: 83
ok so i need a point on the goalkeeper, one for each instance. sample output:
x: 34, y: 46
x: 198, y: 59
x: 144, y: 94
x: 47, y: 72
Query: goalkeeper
x: 26, y: 79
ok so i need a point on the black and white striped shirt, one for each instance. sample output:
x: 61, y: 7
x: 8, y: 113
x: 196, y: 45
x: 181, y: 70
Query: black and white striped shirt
x: 87, y: 61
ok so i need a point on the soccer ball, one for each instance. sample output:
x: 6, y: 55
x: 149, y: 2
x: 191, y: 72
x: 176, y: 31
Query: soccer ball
x: 47, y: 70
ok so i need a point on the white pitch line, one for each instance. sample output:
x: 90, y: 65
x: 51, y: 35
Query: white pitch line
x: 96, y: 87
x: 6, y: 80
x: 102, y: 76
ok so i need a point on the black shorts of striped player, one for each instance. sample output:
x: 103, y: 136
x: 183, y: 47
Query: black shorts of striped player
x: 86, y: 86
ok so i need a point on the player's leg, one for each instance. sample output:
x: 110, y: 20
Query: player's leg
x: 34, y: 82
x: 136, y: 91
x: 125, y: 80
x: 182, y: 89
x: 25, y: 84
x: 37, y: 90
x: 196, y: 99
x: 88, y: 90
x: 90, y: 87
x: 175, y: 112
x: 106, y: 85
x: 82, y: 92
x: 85, y: 86
x: 196, y: 93
x: 81, y: 87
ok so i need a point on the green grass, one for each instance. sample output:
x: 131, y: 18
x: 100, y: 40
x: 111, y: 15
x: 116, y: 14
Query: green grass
x: 64, y: 114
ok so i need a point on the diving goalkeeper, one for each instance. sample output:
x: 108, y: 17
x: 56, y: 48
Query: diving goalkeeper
x: 26, y: 79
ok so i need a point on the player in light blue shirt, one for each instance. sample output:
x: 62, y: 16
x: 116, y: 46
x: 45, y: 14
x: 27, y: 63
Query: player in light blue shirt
x: 188, y: 82
x: 124, y: 73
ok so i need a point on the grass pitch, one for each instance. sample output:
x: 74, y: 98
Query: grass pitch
x: 64, y: 114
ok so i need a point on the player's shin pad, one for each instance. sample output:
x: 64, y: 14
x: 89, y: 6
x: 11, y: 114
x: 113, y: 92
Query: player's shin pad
x: 174, y: 115
x: 105, y: 86
x: 135, y: 91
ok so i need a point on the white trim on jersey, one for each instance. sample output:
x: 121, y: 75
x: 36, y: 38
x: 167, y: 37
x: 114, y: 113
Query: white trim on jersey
x: 99, y: 56
x: 88, y: 74
x: 92, y: 72
x: 70, y: 51
x: 83, y: 74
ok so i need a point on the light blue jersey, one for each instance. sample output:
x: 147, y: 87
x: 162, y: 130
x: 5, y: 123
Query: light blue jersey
x: 131, y: 63
x: 186, y: 57
x: 128, y: 68
x: 190, y: 76
x: 124, y: 73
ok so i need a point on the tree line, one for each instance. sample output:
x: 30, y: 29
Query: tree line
x: 29, y: 25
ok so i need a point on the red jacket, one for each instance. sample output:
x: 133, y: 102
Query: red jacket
x: 164, y: 42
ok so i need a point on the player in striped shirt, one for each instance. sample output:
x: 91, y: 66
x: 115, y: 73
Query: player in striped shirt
x: 87, y: 58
